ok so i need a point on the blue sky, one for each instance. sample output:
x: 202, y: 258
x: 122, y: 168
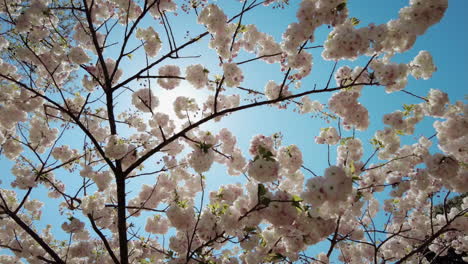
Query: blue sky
x: 446, y: 41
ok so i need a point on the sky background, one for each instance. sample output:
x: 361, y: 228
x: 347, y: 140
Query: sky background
x: 446, y: 42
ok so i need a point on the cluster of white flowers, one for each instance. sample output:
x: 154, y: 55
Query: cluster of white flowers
x: 197, y: 75
x: 136, y: 121
x: 116, y: 147
x: 84, y: 40
x: 183, y: 105
x: 224, y: 102
x: 28, y: 101
x: 389, y: 142
x: 47, y: 60
x: 151, y: 39
x: 150, y: 196
x: 163, y: 6
x: 81, y: 249
x: 282, y: 214
x: 106, y: 9
x: 302, y: 62
x: 260, y: 142
x: 144, y: 100
x: 203, y: 156
x: 227, y: 193
x: 328, y: 135
x: 264, y: 167
x: 32, y: 19
x: 213, y: 18
x: 169, y: 71
x: 98, y: 74
x: 437, y: 103
x: 74, y: 226
x: 161, y: 125
x: 309, y: 106
x: 24, y: 177
x: 413, y: 113
x: 126, y: 10
x: 93, y: 204
x: 102, y: 179
x: 64, y: 153
x: 422, y: 65
x: 10, y: 115
x: 41, y: 136
x: 346, y: 42
x: 78, y: 55
x: 181, y: 217
x: 353, y: 113
x: 201, y: 159
x: 447, y: 169
x: 350, y: 151
x: 236, y: 163
x: 420, y: 15
x: 232, y: 74
x: 290, y: 158
x: 157, y: 225
x: 397, y: 35
x: 311, y: 15
x: 346, y: 76
x: 12, y: 148
x: 392, y: 75
x: 272, y: 90
x: 253, y: 40
x: 334, y: 186
x: 216, y: 22
x: 7, y: 259
x: 453, y: 135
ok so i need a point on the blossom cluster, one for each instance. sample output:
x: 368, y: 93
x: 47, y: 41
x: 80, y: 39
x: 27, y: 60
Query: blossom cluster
x: 353, y: 113
x: 151, y: 39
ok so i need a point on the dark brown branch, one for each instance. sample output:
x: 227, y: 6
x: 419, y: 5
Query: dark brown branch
x: 104, y: 240
x: 33, y: 234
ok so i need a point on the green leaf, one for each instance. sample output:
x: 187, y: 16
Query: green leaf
x: 243, y: 28
x: 204, y: 147
x: 344, y: 140
x: 182, y: 204
x: 399, y: 132
x: 297, y: 203
x: 376, y: 143
x: 356, y: 178
x: 262, y: 242
x: 297, y: 198
x: 352, y: 169
x: 274, y: 257
x: 408, y: 109
x: 298, y: 206
x: 220, y: 193
x: 355, y: 21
